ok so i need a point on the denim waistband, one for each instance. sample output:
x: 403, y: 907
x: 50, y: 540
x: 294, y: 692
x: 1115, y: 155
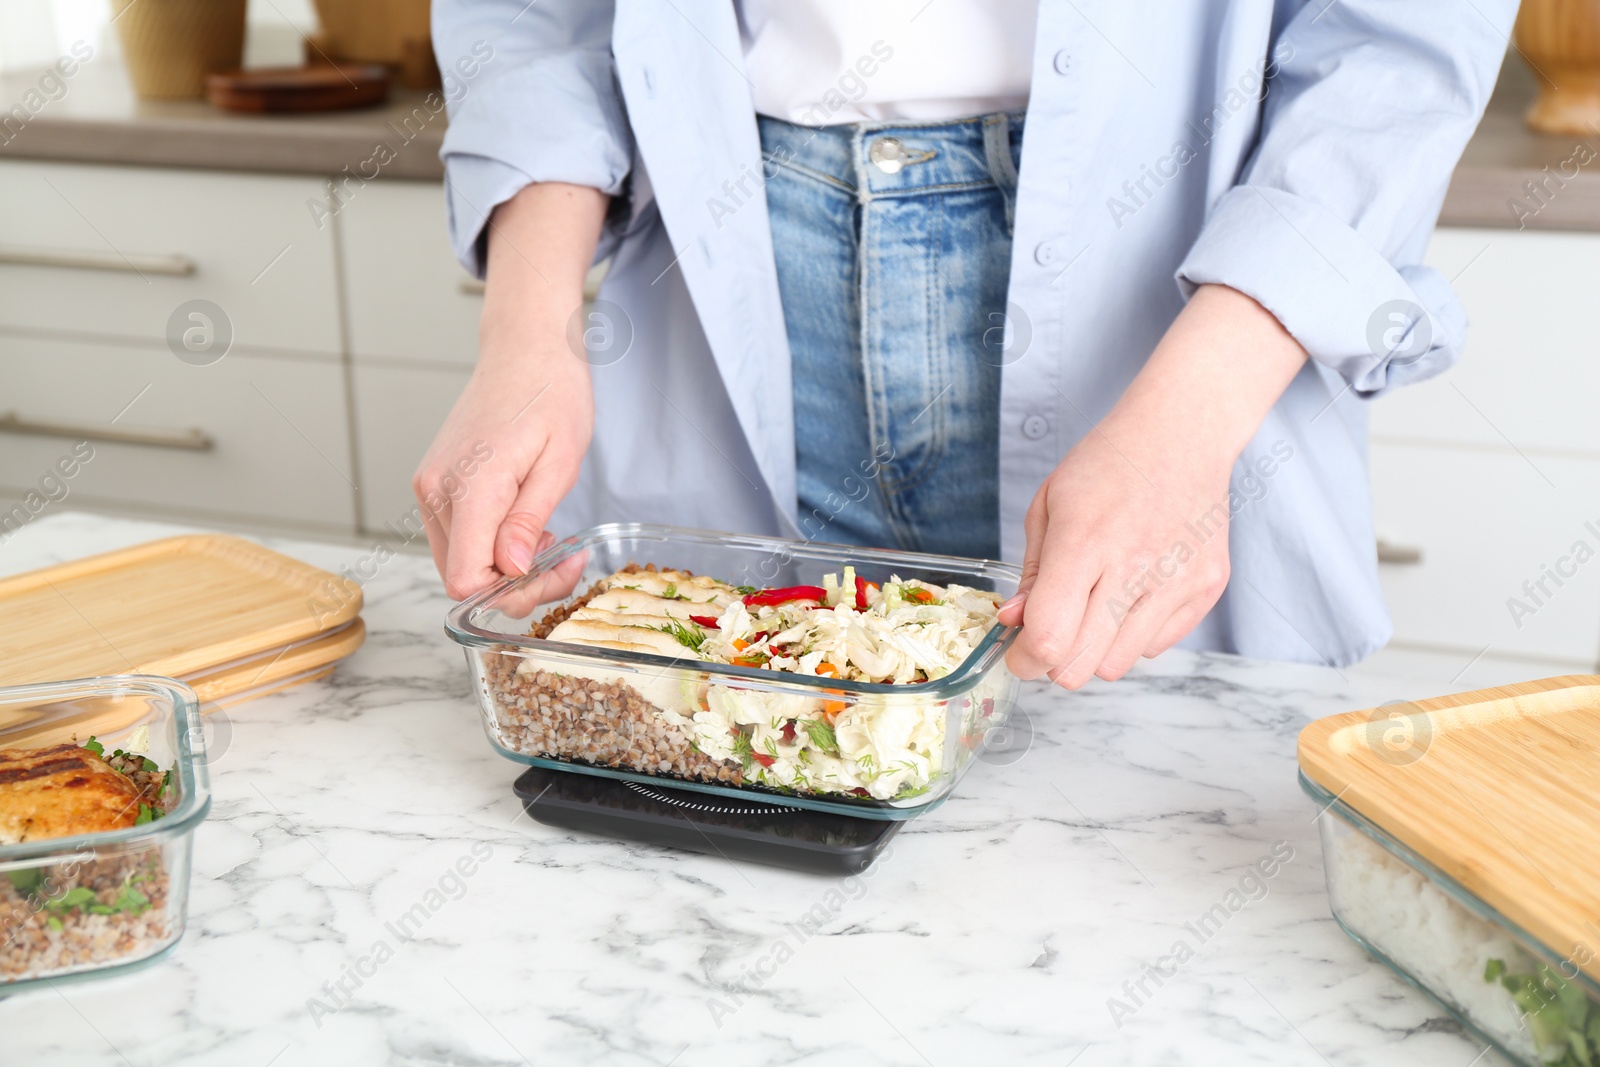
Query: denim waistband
x: 922, y: 157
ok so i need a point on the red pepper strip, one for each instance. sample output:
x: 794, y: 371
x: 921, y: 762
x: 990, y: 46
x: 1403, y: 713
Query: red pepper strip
x: 763, y: 759
x: 788, y: 732
x: 861, y: 593
x: 704, y: 620
x: 783, y: 596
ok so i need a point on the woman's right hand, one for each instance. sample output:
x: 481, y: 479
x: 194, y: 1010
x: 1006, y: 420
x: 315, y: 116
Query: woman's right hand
x: 506, y: 456
x: 511, y: 447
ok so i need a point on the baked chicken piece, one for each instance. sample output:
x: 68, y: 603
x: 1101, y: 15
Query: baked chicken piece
x: 61, y: 791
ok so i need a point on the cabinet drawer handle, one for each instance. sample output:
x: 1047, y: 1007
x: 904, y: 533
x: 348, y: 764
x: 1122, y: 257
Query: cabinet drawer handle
x: 129, y: 264
x: 195, y: 440
x: 1404, y: 555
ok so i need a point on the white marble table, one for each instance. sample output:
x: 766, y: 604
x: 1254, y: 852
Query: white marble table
x: 995, y: 931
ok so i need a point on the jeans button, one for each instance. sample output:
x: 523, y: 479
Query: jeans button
x: 1035, y: 427
x: 1062, y: 62
x: 1044, y: 254
x: 887, y: 154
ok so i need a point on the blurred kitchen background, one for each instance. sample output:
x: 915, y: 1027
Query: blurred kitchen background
x: 322, y: 328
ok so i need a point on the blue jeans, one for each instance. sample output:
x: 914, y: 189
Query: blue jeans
x: 893, y: 246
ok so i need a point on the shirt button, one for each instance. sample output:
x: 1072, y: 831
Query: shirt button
x: 1062, y: 62
x: 887, y: 154
x: 1045, y: 254
x: 1035, y: 427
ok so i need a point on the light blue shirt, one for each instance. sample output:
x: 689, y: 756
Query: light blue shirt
x: 1152, y: 164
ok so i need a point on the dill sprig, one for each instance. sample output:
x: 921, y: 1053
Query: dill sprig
x: 691, y: 637
x: 822, y: 735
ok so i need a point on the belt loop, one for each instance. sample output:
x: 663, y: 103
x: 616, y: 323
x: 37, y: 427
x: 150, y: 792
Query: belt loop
x: 858, y: 161
x: 1002, y: 168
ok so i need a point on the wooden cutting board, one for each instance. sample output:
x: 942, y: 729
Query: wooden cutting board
x: 177, y: 607
x: 1499, y: 788
x: 333, y: 87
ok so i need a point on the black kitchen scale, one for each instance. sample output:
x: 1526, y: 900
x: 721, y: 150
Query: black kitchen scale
x: 735, y: 828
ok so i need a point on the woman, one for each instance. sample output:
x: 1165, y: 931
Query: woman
x: 1099, y: 287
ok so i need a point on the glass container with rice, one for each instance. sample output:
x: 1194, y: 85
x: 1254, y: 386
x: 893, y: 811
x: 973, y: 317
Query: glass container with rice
x: 1479, y: 902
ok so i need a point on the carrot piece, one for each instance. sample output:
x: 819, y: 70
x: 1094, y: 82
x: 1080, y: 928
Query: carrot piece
x: 831, y: 708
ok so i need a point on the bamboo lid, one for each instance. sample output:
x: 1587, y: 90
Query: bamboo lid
x: 1499, y: 789
x: 225, y: 685
x: 177, y: 607
x: 233, y: 683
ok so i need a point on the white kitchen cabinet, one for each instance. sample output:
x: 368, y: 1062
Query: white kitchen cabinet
x: 1487, y: 474
x: 397, y: 411
x: 103, y: 255
x: 1491, y: 529
x: 248, y: 437
x: 113, y: 251
x: 1530, y: 374
x: 406, y: 296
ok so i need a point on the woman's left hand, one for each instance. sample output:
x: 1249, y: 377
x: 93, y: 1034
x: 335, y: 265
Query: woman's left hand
x: 1127, y: 540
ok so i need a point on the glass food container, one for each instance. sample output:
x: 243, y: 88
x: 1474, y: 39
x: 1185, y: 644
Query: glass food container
x: 106, y: 902
x: 1454, y: 833
x: 629, y: 715
x: 1535, y: 1005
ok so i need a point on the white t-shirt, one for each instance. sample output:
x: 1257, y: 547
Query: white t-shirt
x: 824, y: 62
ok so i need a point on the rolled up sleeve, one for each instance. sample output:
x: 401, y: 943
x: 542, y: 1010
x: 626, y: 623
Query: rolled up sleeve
x: 1366, y: 116
x: 545, y: 107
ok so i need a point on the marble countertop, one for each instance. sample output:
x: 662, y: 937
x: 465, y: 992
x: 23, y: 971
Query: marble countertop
x: 99, y: 120
x: 996, y: 930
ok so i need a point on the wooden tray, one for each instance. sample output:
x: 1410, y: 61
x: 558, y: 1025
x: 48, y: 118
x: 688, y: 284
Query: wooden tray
x: 1499, y: 789
x: 179, y: 607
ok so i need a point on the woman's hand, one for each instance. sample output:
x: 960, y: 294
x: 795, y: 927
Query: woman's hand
x: 1127, y: 540
x: 512, y: 445
x: 507, y: 454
